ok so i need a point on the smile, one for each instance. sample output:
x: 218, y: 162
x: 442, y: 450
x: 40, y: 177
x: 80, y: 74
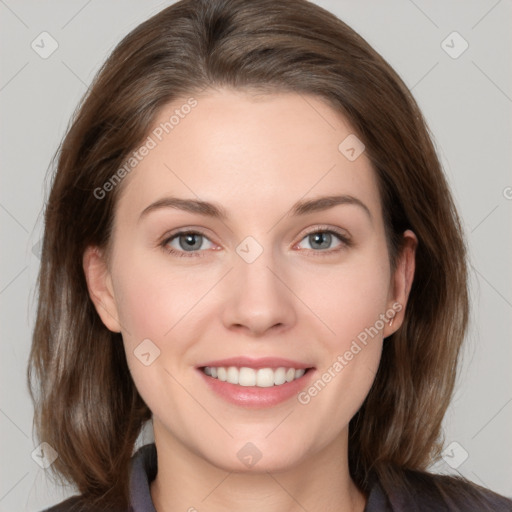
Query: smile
x: 262, y: 377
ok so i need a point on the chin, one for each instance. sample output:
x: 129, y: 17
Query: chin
x: 250, y: 460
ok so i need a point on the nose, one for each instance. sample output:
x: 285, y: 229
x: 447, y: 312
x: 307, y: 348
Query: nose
x: 260, y: 298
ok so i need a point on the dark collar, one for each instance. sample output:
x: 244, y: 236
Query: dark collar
x: 143, y: 472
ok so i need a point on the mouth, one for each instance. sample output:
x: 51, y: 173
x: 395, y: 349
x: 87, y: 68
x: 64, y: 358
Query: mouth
x: 256, y: 383
x: 257, y: 377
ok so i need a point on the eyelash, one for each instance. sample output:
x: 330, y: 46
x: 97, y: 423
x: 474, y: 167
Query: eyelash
x: 346, y: 242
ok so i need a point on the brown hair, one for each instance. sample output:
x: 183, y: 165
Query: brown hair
x: 87, y: 406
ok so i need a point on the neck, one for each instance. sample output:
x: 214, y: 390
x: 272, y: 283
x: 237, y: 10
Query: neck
x: 188, y: 482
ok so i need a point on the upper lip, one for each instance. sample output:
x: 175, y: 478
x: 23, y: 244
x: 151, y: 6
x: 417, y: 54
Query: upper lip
x: 263, y: 362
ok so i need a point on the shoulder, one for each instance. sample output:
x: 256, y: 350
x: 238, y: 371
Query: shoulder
x: 143, y: 469
x: 422, y: 490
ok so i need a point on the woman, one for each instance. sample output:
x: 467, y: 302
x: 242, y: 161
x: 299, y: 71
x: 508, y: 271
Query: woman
x: 250, y: 241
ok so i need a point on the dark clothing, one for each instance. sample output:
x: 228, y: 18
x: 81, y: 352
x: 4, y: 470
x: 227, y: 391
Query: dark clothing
x: 420, y: 494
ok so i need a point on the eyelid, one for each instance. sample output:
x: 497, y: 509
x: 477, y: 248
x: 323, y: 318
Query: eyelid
x: 343, y: 233
x: 183, y: 231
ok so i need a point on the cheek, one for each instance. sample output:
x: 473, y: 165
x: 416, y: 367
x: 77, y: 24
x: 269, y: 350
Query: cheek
x: 152, y: 296
x: 144, y: 310
x: 350, y: 298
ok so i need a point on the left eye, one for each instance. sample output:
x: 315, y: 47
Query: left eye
x: 323, y: 239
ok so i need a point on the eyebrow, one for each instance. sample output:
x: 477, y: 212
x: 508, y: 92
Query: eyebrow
x: 302, y: 207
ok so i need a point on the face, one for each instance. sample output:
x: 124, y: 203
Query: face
x: 264, y: 292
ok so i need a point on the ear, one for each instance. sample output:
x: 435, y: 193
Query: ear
x: 99, y: 284
x: 401, y: 281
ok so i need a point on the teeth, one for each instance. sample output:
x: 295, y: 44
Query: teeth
x: 246, y: 376
x: 262, y: 378
x: 233, y: 375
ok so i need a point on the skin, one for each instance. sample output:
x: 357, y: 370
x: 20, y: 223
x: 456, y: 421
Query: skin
x: 256, y: 156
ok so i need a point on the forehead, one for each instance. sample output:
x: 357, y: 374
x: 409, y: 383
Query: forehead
x: 255, y: 154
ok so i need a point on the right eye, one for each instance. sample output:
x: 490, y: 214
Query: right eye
x: 185, y: 242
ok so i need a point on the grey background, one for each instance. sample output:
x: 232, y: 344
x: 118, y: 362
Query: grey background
x: 467, y: 102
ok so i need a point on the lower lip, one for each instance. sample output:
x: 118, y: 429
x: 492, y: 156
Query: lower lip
x: 256, y: 397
